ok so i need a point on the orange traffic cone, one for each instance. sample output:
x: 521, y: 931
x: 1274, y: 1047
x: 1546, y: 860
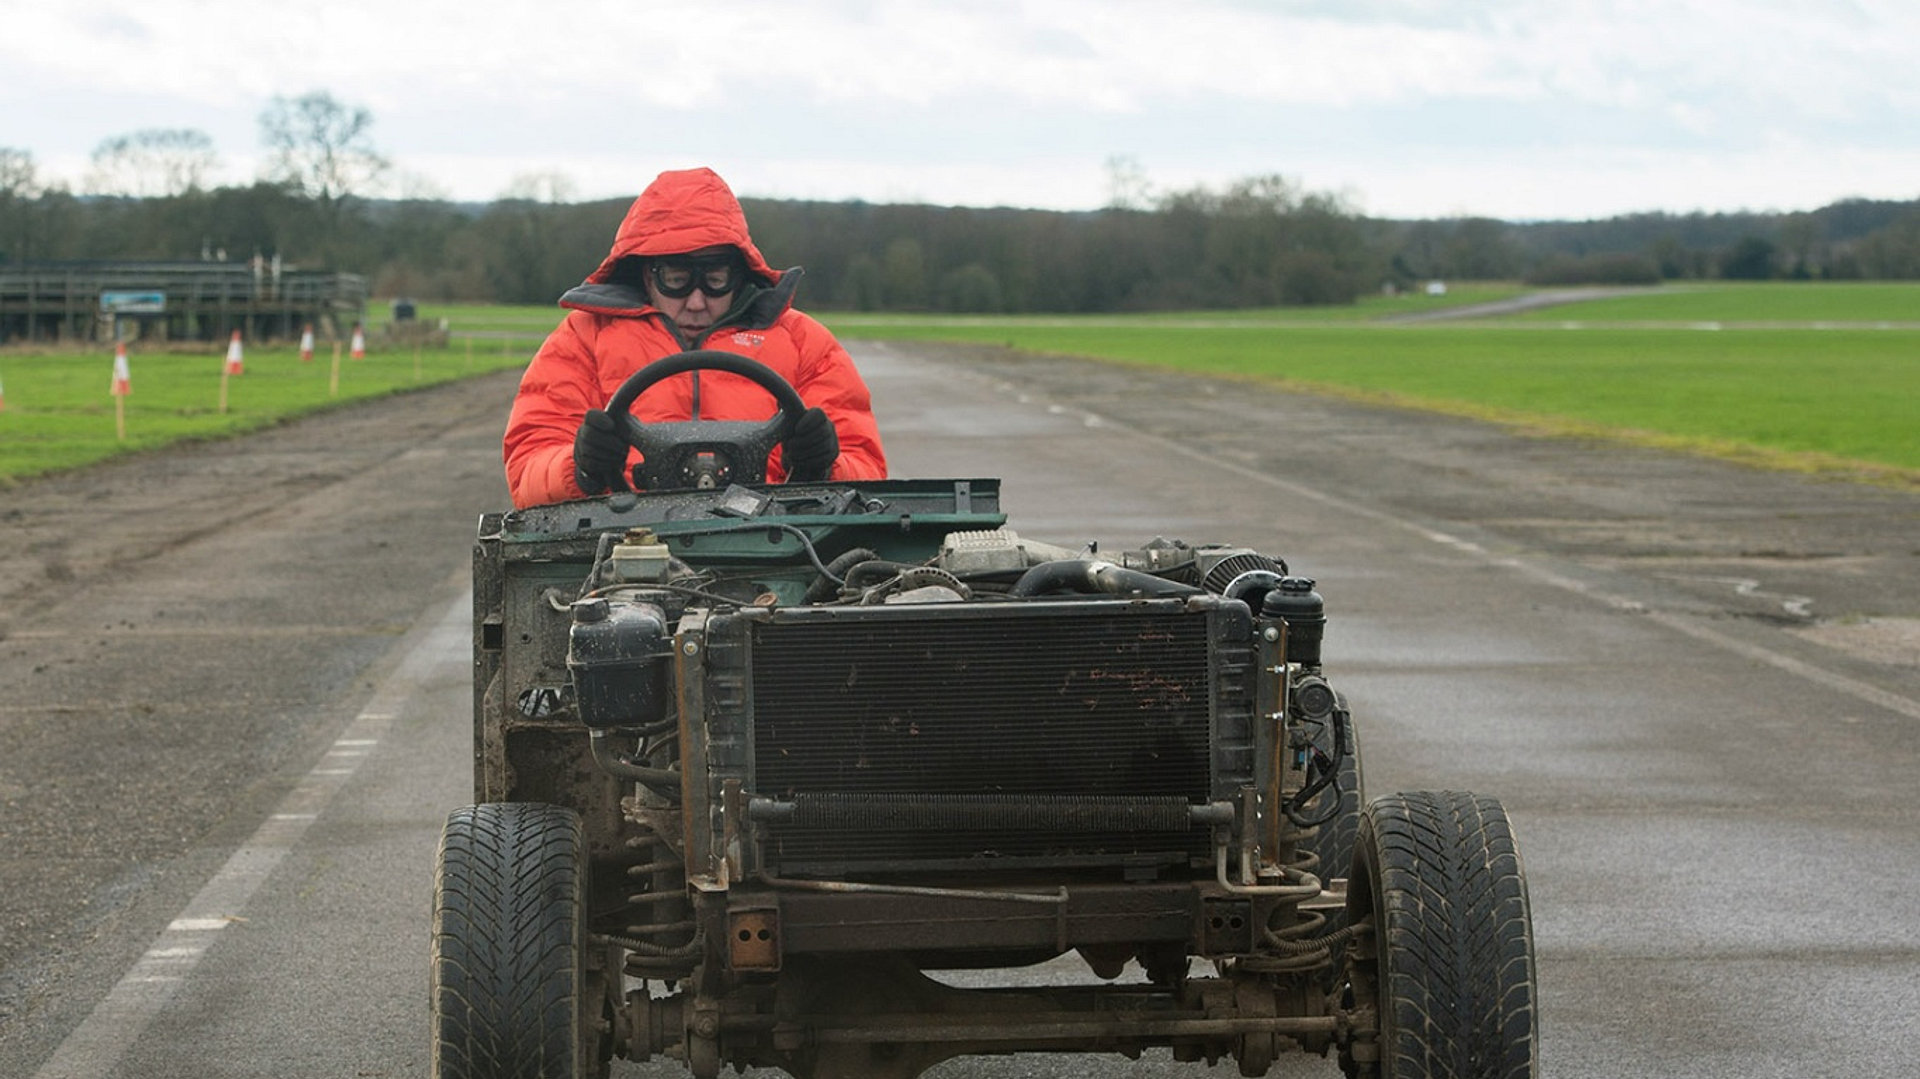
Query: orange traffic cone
x: 122, y: 374
x: 234, y: 362
x: 359, y: 343
x: 121, y: 389
x: 306, y: 344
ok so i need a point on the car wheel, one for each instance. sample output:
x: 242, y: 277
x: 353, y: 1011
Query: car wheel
x: 1448, y: 966
x: 508, y: 984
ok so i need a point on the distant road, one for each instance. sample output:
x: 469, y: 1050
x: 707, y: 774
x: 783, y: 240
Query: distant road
x: 1530, y: 302
x: 1535, y: 301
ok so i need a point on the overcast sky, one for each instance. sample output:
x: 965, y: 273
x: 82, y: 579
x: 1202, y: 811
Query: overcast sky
x: 1561, y: 109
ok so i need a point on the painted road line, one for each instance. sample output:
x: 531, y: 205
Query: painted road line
x: 97, y: 1045
x: 1853, y: 687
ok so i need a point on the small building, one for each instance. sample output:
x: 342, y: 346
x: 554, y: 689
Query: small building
x: 174, y: 301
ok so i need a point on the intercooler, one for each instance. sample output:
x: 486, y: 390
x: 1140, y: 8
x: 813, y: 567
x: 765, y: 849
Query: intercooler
x: 984, y: 735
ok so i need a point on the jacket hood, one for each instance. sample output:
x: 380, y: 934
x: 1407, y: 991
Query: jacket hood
x: 684, y: 211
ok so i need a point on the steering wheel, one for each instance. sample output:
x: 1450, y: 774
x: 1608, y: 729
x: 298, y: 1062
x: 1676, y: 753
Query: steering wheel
x: 704, y: 454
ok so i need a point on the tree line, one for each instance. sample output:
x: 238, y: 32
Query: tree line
x: 1260, y: 241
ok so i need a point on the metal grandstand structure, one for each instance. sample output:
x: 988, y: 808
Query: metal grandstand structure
x: 174, y: 301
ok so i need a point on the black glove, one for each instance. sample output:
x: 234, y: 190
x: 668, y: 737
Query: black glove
x: 599, y: 454
x: 811, y: 447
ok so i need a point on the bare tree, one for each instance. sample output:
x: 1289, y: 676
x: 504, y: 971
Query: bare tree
x: 17, y: 179
x: 419, y: 187
x: 319, y: 147
x: 1127, y: 186
x: 155, y: 163
x: 23, y: 221
x: 552, y: 188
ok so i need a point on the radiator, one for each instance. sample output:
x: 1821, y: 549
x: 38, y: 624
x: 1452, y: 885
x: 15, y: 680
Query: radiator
x: 989, y: 735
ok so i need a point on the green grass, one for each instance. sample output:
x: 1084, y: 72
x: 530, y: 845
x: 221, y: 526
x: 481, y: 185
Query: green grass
x: 1836, y: 400
x: 1842, y: 399
x: 493, y: 319
x: 59, y: 414
x: 1370, y: 308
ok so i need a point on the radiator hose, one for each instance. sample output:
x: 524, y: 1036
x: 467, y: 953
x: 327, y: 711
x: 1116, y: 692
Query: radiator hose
x: 1091, y: 577
x: 827, y: 584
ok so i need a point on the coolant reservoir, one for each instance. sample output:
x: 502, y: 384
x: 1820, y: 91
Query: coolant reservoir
x: 617, y: 654
x: 1305, y: 613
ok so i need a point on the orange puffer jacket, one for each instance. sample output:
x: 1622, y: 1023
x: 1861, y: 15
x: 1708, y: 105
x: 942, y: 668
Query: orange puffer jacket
x: 611, y: 331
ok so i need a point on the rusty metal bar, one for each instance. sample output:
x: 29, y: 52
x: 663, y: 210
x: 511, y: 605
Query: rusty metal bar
x: 884, y: 1029
x: 846, y: 886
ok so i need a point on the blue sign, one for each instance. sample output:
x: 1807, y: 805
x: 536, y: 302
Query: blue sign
x: 133, y: 303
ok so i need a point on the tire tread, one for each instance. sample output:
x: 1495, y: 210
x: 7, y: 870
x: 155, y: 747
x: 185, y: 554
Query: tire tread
x: 1456, y: 938
x: 506, y: 943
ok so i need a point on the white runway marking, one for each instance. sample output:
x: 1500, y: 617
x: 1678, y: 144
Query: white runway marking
x: 1853, y: 687
x: 98, y: 1044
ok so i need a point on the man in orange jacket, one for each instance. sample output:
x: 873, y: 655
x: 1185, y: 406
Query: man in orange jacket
x: 683, y: 274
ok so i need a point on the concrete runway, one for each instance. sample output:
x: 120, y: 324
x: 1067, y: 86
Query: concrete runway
x: 1691, y: 684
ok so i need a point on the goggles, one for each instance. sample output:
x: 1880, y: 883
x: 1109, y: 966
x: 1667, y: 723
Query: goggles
x: 717, y: 275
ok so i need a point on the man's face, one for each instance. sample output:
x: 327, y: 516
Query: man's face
x: 706, y: 282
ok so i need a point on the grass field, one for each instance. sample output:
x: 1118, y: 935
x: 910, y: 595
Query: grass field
x: 495, y: 320
x: 1371, y: 308
x: 1807, y: 400
x: 1812, y: 377
x: 59, y: 414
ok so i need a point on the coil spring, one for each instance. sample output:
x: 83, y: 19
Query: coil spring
x: 1299, y: 945
x: 662, y: 940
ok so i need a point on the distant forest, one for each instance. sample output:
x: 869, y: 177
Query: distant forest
x: 1260, y: 242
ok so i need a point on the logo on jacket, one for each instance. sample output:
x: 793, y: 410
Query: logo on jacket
x: 751, y: 340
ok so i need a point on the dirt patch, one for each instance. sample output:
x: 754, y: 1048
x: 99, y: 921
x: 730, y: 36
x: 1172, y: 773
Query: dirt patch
x: 1893, y: 641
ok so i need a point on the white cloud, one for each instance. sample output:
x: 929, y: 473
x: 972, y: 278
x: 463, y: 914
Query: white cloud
x: 1021, y: 100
